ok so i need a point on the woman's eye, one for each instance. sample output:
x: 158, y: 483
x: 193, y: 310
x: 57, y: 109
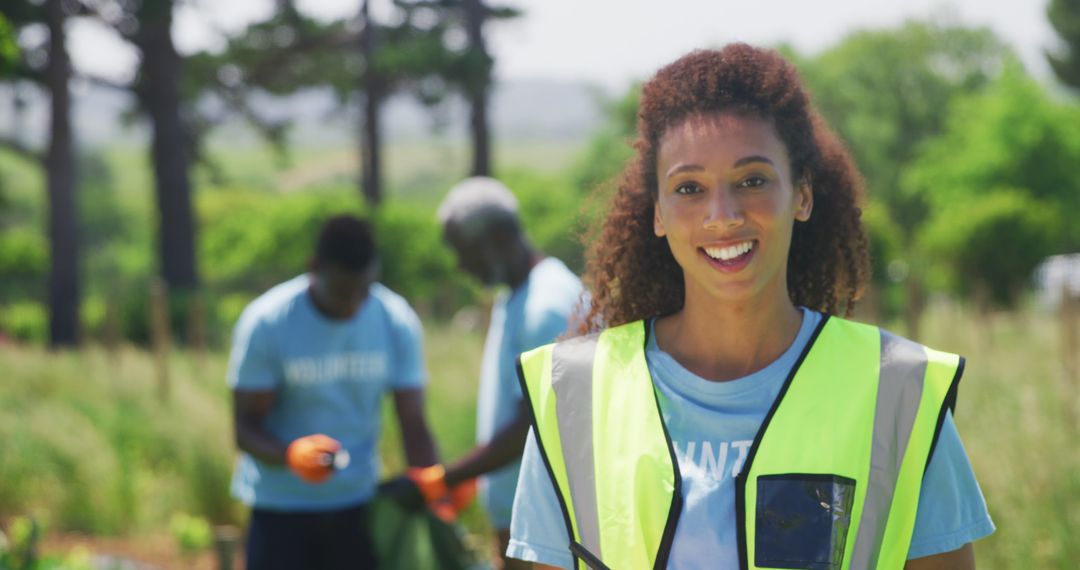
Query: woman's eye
x: 752, y: 182
x: 687, y: 188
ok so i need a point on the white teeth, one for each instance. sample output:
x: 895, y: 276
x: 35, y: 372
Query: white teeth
x: 730, y: 252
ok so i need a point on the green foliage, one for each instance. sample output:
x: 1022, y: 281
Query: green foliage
x: 289, y: 52
x: 889, y: 259
x: 192, y: 534
x: 254, y: 240
x: 992, y: 244
x: 9, y: 50
x: 551, y: 211
x: 886, y: 241
x: 610, y: 148
x: 1064, y: 16
x: 416, y: 263
x: 92, y: 448
x: 887, y: 91
x: 25, y: 320
x: 1013, y: 136
x: 105, y: 222
x: 18, y: 549
x: 24, y: 262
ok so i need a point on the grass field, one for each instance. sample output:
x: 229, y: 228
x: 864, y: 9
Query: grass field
x: 88, y: 445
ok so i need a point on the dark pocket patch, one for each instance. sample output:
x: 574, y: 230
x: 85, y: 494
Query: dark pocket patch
x: 802, y: 520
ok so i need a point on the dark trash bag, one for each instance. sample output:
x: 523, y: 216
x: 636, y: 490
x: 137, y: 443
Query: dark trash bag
x: 418, y: 540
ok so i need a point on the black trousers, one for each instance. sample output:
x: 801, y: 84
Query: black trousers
x: 330, y: 540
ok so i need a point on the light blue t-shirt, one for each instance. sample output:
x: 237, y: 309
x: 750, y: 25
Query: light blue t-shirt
x: 712, y: 425
x: 330, y: 377
x: 532, y: 315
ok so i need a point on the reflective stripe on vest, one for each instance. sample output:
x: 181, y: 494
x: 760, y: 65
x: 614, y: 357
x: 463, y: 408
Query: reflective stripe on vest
x: 606, y: 447
x: 860, y: 405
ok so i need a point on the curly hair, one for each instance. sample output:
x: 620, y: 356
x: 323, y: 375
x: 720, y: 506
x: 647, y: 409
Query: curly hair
x: 632, y: 273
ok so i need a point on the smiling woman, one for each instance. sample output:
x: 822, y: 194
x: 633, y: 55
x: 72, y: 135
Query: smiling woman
x: 733, y: 239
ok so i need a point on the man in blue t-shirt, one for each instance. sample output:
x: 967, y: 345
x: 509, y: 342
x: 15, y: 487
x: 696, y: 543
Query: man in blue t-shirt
x: 311, y: 361
x: 481, y: 224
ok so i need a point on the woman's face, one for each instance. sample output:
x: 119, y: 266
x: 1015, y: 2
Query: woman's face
x: 727, y: 204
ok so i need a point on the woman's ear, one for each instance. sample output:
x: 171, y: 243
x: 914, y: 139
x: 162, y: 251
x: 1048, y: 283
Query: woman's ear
x: 804, y: 199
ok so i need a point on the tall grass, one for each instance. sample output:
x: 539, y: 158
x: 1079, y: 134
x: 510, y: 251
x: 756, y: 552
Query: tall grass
x: 87, y: 445
x: 1016, y: 414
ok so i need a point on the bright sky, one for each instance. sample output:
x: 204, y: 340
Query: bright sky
x: 613, y: 42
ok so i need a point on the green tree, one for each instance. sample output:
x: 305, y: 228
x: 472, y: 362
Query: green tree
x: 1064, y: 16
x: 364, y: 62
x: 147, y: 25
x: 887, y: 92
x: 51, y: 70
x: 1014, y: 135
x: 990, y: 247
x: 996, y: 180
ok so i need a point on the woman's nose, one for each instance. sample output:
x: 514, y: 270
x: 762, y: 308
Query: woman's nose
x: 723, y: 210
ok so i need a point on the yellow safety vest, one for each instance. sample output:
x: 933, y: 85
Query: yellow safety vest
x: 831, y: 480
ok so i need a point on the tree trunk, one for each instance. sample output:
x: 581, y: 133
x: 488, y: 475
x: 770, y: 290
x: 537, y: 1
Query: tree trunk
x: 478, y: 122
x: 914, y: 304
x: 60, y: 172
x: 374, y: 89
x: 478, y: 84
x: 160, y: 96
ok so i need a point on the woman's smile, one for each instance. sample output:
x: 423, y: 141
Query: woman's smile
x: 730, y: 258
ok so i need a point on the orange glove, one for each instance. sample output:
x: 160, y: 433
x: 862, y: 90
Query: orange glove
x: 430, y: 480
x: 449, y: 506
x: 463, y: 494
x: 312, y: 457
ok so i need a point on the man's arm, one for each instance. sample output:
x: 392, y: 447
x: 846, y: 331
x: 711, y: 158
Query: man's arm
x: 502, y: 450
x: 962, y: 558
x: 250, y: 408
x: 420, y: 450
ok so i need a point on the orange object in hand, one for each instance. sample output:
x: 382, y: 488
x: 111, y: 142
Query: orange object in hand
x: 463, y: 494
x: 312, y: 457
x: 450, y: 505
x: 430, y: 480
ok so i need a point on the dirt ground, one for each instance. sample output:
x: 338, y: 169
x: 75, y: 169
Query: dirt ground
x: 136, y: 553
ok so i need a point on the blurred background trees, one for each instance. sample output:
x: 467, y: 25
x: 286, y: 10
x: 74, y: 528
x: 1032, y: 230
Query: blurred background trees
x: 48, y: 66
x: 1064, y: 16
x: 943, y: 121
x: 888, y: 92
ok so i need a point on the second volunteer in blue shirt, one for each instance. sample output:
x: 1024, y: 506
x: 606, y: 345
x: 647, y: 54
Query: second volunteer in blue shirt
x: 480, y: 222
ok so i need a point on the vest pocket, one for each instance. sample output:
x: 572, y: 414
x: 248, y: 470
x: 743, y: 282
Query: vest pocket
x: 802, y: 520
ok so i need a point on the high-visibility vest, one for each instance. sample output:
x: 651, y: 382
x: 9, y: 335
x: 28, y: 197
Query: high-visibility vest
x: 831, y: 480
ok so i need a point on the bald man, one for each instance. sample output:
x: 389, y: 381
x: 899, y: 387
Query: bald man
x: 537, y: 296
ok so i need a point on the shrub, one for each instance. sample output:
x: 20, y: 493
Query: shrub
x: 26, y: 321
x: 992, y: 246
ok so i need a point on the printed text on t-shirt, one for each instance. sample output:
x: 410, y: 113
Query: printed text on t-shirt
x: 712, y: 461
x: 356, y: 366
